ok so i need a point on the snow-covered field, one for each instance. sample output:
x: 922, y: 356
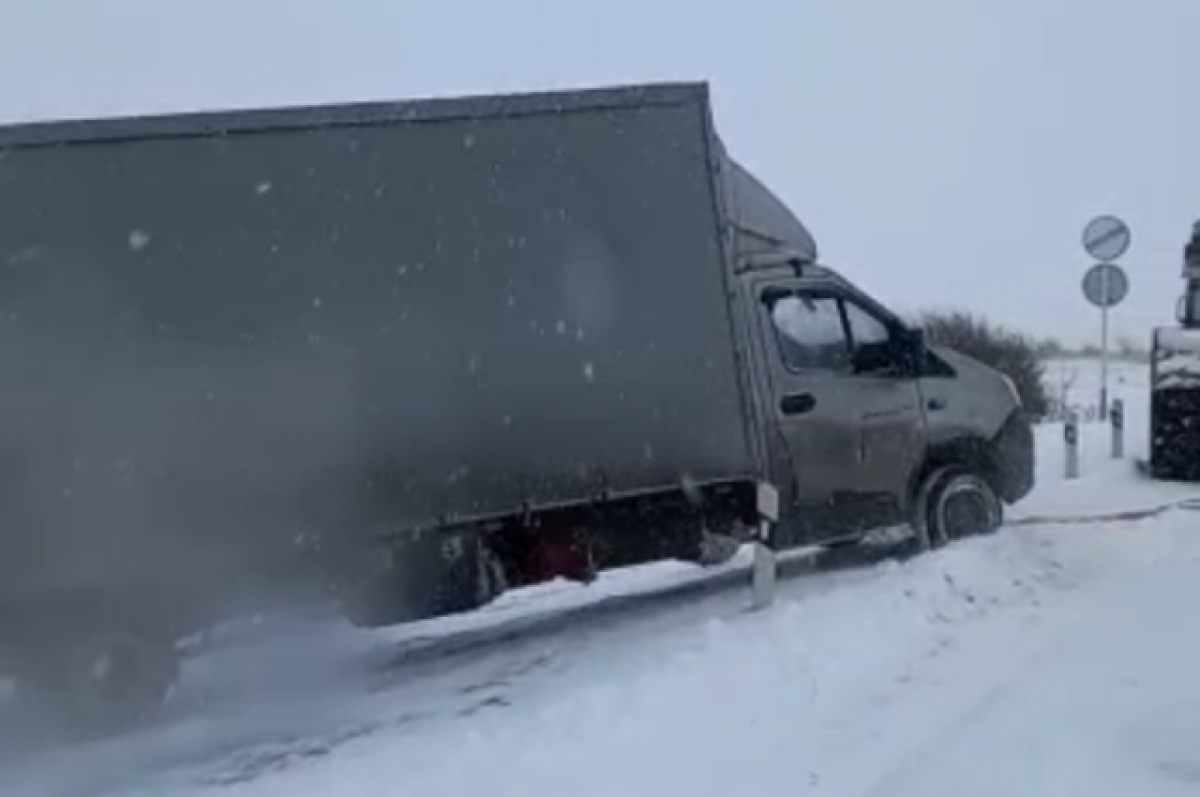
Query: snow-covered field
x: 1054, y: 659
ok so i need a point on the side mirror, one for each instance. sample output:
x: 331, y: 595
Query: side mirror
x: 917, y: 345
x: 901, y: 355
x: 877, y: 359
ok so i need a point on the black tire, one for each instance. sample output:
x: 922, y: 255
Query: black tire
x: 953, y: 503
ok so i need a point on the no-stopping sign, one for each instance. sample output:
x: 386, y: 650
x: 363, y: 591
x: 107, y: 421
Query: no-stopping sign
x: 1106, y: 238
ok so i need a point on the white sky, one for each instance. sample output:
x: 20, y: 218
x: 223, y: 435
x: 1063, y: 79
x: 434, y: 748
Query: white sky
x: 945, y: 152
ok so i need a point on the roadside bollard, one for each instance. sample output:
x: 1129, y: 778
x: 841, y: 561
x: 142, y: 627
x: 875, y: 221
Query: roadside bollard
x: 765, y: 568
x: 1071, y: 444
x: 1116, y: 420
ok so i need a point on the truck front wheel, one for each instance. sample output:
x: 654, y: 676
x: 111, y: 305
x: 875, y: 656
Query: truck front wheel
x: 953, y: 503
x: 100, y: 682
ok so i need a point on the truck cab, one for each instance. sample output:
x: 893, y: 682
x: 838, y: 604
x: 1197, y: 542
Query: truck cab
x: 866, y: 426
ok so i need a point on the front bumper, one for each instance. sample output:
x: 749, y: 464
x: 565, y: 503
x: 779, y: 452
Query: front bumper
x: 1015, y: 458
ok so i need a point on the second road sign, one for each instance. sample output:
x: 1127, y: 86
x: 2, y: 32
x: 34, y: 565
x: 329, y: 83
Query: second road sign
x: 1105, y: 285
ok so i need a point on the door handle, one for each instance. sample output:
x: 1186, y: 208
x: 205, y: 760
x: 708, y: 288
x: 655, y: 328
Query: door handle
x: 936, y: 404
x: 798, y: 403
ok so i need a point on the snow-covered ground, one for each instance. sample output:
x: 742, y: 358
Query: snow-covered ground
x: 1106, y: 485
x: 1054, y: 659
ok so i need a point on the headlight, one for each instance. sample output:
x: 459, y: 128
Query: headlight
x: 1012, y: 389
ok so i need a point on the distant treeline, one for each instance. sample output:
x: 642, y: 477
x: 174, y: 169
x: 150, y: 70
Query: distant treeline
x: 1123, y: 348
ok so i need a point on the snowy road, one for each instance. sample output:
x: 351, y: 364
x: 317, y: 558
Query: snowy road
x: 1042, y: 663
x: 1051, y: 660
x: 1109, y: 705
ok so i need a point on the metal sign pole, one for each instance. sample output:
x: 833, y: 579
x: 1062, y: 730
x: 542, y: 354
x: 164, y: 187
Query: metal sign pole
x: 1105, y: 284
x: 1117, y: 418
x: 1104, y: 350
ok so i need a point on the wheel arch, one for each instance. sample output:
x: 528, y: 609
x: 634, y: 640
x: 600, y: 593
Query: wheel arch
x: 970, y: 452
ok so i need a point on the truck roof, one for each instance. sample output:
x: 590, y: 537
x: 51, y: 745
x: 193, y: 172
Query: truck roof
x: 757, y: 212
x: 412, y: 111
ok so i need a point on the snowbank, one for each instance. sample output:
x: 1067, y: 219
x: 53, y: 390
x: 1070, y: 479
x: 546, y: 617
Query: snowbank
x: 774, y: 703
x: 818, y: 695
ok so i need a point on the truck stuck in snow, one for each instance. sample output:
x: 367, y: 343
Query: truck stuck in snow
x: 411, y: 355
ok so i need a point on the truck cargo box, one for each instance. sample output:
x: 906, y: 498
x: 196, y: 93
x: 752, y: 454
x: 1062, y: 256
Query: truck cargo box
x: 221, y: 332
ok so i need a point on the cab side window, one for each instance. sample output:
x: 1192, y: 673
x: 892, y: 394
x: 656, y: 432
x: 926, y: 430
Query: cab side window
x: 865, y: 329
x: 824, y: 332
x: 811, y: 332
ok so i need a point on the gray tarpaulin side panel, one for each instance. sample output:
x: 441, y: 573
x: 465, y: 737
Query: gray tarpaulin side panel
x: 762, y: 216
x: 222, y: 331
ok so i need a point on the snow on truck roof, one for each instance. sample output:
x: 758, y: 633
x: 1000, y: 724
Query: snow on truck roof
x: 753, y: 208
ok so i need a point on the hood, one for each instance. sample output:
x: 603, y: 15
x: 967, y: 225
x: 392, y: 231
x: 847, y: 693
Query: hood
x: 979, y: 397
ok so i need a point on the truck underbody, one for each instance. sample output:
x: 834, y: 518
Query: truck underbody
x: 97, y: 662
x: 465, y: 565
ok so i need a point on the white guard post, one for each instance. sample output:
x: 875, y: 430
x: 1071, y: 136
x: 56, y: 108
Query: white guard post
x: 1071, y: 446
x: 1116, y: 420
x: 765, y: 573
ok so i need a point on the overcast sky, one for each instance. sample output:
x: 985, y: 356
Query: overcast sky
x: 944, y: 152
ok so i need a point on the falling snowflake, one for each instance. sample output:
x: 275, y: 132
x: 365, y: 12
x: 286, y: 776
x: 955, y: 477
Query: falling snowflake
x: 139, y: 240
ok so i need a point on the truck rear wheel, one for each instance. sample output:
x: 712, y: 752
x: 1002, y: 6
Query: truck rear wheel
x: 99, y: 682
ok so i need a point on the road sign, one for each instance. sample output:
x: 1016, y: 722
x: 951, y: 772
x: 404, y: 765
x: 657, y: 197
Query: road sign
x: 1106, y: 238
x: 1105, y: 285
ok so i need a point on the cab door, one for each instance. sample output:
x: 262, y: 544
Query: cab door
x: 848, y: 414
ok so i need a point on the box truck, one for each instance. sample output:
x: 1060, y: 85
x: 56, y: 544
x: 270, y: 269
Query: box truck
x: 411, y: 355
